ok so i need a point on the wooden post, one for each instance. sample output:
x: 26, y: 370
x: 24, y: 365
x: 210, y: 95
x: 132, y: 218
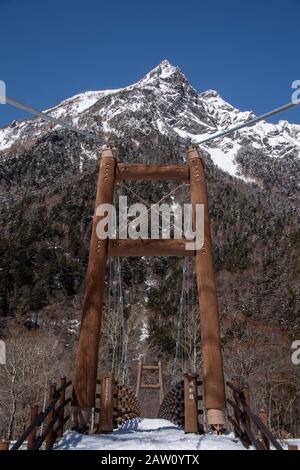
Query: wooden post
x: 106, y: 404
x: 263, y: 415
x: 235, y: 382
x: 49, y: 438
x: 213, y: 378
x: 138, y: 380
x: 34, y: 411
x: 62, y: 399
x: 160, y: 380
x: 292, y: 447
x: 190, y: 403
x: 4, y: 444
x: 246, y: 393
x: 88, y: 345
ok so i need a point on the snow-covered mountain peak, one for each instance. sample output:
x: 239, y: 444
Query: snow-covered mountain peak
x: 210, y: 94
x: 162, y: 71
x: 164, y: 103
x: 166, y: 77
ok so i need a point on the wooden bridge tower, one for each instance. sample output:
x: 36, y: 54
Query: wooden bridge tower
x: 143, y: 369
x: 88, y: 346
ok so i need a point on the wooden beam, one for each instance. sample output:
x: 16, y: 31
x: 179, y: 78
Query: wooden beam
x: 84, y: 390
x: 213, y: 377
x: 152, y: 172
x: 160, y: 380
x: 150, y: 367
x: 151, y: 386
x: 138, y: 381
x: 149, y: 247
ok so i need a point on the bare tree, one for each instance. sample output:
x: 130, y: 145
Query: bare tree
x: 33, y: 359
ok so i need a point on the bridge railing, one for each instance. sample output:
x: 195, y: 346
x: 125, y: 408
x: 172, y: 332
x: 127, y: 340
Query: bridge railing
x: 181, y: 404
x: 246, y: 424
x: 48, y: 425
x: 115, y: 404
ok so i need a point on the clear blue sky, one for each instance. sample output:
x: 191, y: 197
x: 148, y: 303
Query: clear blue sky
x: 247, y: 50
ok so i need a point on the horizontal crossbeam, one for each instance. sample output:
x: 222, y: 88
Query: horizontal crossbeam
x: 149, y: 247
x: 150, y: 367
x: 152, y: 172
x: 151, y: 386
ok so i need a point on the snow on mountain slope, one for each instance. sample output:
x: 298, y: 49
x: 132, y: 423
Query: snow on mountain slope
x: 148, y: 434
x: 164, y: 102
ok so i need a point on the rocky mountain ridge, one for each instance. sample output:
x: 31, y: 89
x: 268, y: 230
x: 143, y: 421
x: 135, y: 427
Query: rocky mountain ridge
x: 163, y: 102
x: 47, y: 189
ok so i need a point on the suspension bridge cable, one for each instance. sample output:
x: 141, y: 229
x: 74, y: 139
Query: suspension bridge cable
x: 49, y: 118
x: 250, y: 123
x: 60, y: 122
x: 178, y: 359
x: 123, y: 363
x: 151, y: 208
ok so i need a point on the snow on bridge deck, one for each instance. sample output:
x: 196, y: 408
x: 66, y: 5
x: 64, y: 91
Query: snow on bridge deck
x: 148, y: 434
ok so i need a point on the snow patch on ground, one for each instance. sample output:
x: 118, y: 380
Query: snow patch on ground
x: 148, y: 434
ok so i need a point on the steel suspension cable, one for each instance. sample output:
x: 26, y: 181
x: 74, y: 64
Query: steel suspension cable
x: 177, y: 364
x: 153, y: 208
x: 66, y: 125
x: 49, y: 118
x: 122, y: 338
x: 250, y: 123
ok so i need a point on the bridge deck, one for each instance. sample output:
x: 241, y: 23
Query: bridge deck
x: 148, y: 434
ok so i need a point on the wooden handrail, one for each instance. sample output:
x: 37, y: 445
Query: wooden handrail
x: 64, y: 387
x: 239, y: 432
x: 36, y: 442
x: 247, y: 417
